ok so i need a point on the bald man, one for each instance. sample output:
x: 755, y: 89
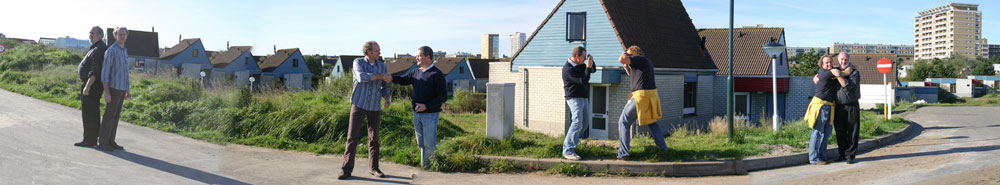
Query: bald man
x: 847, y: 121
x: 91, y: 89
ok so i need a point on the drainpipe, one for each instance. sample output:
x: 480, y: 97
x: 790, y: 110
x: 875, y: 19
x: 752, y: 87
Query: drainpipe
x: 525, y: 108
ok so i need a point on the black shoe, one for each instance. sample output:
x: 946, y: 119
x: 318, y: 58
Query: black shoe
x: 343, y: 175
x: 84, y: 144
x: 116, y: 146
x: 377, y: 173
x: 105, y: 148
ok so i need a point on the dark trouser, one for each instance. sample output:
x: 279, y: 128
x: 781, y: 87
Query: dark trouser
x: 90, y: 106
x: 112, y: 112
x: 374, y: 119
x: 847, y: 124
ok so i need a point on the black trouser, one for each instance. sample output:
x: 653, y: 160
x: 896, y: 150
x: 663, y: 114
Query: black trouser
x: 90, y: 106
x: 847, y: 123
x: 112, y: 112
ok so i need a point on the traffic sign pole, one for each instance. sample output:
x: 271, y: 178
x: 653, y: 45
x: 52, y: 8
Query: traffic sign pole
x: 885, y: 66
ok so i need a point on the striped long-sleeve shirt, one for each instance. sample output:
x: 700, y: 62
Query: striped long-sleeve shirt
x: 115, y: 71
x: 368, y: 93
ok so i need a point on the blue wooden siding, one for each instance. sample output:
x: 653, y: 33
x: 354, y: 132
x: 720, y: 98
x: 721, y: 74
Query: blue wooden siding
x: 461, y: 71
x: 287, y: 67
x: 243, y: 62
x: 187, y: 56
x: 550, y: 48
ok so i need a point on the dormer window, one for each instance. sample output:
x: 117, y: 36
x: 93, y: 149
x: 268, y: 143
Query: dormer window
x: 576, y: 26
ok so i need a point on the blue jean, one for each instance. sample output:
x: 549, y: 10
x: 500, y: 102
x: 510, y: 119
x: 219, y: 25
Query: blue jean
x: 425, y: 125
x: 578, y: 108
x: 820, y: 136
x: 624, y: 130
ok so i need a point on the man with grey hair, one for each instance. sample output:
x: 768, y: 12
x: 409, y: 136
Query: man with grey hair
x: 90, y: 100
x: 847, y: 121
x: 115, y: 76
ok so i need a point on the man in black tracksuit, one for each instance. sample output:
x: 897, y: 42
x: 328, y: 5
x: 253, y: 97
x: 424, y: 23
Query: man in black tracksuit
x: 847, y: 113
x: 92, y: 88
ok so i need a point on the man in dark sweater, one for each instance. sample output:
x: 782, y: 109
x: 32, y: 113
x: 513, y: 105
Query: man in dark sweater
x: 429, y: 92
x: 92, y: 89
x: 576, y: 84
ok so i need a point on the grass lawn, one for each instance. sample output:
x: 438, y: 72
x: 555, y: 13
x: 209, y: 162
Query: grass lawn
x: 685, y: 145
x: 316, y: 121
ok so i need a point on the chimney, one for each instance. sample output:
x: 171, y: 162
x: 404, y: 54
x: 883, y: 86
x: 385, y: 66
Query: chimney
x: 153, y: 29
x: 227, y: 45
x: 178, y: 37
x: 275, y: 48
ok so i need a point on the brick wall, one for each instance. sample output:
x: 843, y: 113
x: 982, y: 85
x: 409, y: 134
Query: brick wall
x: 800, y: 89
x: 547, y: 111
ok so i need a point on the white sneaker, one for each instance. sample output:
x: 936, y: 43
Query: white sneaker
x: 572, y: 156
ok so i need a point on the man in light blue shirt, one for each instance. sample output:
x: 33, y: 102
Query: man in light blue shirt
x: 371, y: 85
x: 115, y: 76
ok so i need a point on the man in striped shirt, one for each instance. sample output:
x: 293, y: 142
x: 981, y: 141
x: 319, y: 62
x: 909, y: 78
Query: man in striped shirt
x: 371, y: 84
x: 115, y: 76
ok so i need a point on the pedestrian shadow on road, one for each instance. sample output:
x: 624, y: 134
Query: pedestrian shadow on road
x: 939, y: 152
x: 389, y: 179
x: 183, y: 171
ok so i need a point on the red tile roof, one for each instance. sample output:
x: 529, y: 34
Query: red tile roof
x: 748, y: 56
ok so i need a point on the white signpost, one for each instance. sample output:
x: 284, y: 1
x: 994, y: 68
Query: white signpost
x: 885, y: 66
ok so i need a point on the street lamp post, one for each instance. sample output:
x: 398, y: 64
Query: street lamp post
x: 774, y: 49
x: 251, y: 82
x: 202, y: 77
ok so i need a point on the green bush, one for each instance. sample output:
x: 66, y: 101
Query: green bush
x: 466, y: 101
x: 35, y: 56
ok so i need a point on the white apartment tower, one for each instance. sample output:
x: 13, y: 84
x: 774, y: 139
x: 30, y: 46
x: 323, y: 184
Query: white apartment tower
x: 516, y: 42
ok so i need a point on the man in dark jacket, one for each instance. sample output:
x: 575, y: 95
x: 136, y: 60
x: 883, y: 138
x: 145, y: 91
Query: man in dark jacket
x: 576, y: 84
x: 429, y: 92
x: 847, y: 112
x: 91, y: 88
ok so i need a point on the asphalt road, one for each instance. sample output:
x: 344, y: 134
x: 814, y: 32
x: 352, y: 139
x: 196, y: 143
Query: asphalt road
x: 36, y: 147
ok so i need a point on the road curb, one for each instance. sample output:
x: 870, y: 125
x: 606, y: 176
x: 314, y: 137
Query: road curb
x: 700, y: 168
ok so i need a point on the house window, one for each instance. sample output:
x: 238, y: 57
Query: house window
x: 461, y: 70
x: 690, y: 95
x: 576, y: 26
x: 295, y: 62
x: 246, y: 60
x: 194, y: 53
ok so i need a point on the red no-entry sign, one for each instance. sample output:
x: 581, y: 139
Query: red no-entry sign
x: 884, y: 65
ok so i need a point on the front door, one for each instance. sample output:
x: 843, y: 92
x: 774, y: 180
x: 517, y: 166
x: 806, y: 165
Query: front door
x: 599, y: 112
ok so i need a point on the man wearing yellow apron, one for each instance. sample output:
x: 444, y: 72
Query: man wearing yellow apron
x: 643, y: 105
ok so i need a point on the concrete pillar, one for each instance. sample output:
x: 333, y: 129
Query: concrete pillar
x: 499, y: 110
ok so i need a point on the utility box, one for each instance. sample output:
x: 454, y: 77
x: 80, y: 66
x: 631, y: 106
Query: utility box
x: 499, y: 110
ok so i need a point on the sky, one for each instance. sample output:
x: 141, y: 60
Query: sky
x: 400, y: 26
